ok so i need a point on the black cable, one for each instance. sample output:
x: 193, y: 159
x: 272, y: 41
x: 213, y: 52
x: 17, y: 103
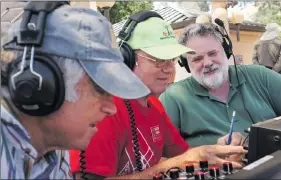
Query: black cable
x: 136, y: 145
x: 236, y: 72
x: 243, y: 143
x: 82, y: 165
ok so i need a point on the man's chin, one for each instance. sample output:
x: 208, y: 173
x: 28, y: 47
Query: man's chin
x: 159, y: 91
x: 210, y: 86
x: 214, y: 81
x: 214, y: 84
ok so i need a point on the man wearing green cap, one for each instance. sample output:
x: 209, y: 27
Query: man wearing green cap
x: 140, y: 133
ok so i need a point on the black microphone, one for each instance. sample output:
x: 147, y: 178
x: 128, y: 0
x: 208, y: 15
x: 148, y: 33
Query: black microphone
x: 226, y: 36
x: 219, y: 22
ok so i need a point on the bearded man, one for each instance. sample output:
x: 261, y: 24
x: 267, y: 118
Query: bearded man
x: 201, y: 106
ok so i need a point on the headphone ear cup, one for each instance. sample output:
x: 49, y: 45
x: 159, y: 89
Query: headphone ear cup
x: 128, y: 55
x: 183, y: 63
x: 27, y: 96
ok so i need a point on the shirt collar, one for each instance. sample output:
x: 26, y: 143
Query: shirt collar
x: 233, y: 77
x: 198, y: 88
x: 17, y: 134
x: 201, y: 91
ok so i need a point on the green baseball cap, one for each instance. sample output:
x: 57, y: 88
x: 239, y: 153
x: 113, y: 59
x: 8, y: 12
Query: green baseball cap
x: 156, y: 37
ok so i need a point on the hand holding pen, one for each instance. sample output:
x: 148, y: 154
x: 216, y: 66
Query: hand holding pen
x: 233, y: 138
x: 231, y: 128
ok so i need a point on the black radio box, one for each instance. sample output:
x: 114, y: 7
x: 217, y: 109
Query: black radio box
x: 264, y: 139
x: 267, y: 167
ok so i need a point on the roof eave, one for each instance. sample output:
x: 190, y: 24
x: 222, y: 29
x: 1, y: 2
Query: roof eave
x: 243, y: 27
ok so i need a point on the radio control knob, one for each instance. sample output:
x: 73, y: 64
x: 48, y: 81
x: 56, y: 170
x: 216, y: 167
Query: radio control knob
x: 227, y: 167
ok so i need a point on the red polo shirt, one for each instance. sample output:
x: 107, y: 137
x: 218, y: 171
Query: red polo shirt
x: 110, y: 151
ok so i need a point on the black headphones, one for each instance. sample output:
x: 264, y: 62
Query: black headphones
x: 35, y: 81
x: 125, y: 33
x: 226, y: 44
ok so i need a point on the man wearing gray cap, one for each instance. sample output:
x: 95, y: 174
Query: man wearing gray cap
x: 58, y: 87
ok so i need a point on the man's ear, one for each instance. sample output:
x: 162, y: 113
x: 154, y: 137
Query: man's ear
x: 137, y: 70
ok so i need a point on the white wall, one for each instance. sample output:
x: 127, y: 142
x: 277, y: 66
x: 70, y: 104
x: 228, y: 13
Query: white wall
x: 181, y: 73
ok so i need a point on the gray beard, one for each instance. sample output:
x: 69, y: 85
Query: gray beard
x: 214, y: 81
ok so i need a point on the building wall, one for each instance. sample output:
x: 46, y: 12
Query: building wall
x: 245, y: 46
x: 87, y: 4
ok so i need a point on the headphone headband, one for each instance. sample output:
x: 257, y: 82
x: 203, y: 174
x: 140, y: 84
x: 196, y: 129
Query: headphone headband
x: 125, y: 34
x: 33, y: 21
x: 143, y: 15
x: 136, y: 18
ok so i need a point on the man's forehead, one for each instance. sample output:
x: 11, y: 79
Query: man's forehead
x: 203, y: 43
x: 144, y: 54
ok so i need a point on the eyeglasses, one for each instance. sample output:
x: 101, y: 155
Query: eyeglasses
x: 161, y: 63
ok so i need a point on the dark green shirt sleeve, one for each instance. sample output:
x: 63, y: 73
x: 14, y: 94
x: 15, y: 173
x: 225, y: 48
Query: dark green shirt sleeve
x: 272, y: 81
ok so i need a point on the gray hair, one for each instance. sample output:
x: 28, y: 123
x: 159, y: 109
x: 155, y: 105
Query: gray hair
x: 199, y: 30
x: 72, y: 73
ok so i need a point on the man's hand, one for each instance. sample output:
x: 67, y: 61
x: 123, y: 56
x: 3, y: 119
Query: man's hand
x: 212, y: 153
x: 237, y: 139
x: 215, y: 154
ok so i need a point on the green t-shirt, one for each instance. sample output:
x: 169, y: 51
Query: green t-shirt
x: 201, y: 118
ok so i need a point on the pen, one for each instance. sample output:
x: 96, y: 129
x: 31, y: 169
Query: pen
x: 231, y: 128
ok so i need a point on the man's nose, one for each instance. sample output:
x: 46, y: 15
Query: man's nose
x: 169, y: 67
x: 207, y: 62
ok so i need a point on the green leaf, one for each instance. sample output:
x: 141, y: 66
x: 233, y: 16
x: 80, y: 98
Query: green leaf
x: 123, y: 9
x: 268, y: 12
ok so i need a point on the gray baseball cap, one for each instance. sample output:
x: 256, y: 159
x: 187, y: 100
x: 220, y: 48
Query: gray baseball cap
x: 84, y: 34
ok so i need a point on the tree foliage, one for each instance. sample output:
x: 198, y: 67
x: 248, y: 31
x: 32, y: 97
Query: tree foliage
x: 123, y: 9
x: 268, y: 12
x: 204, y: 5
